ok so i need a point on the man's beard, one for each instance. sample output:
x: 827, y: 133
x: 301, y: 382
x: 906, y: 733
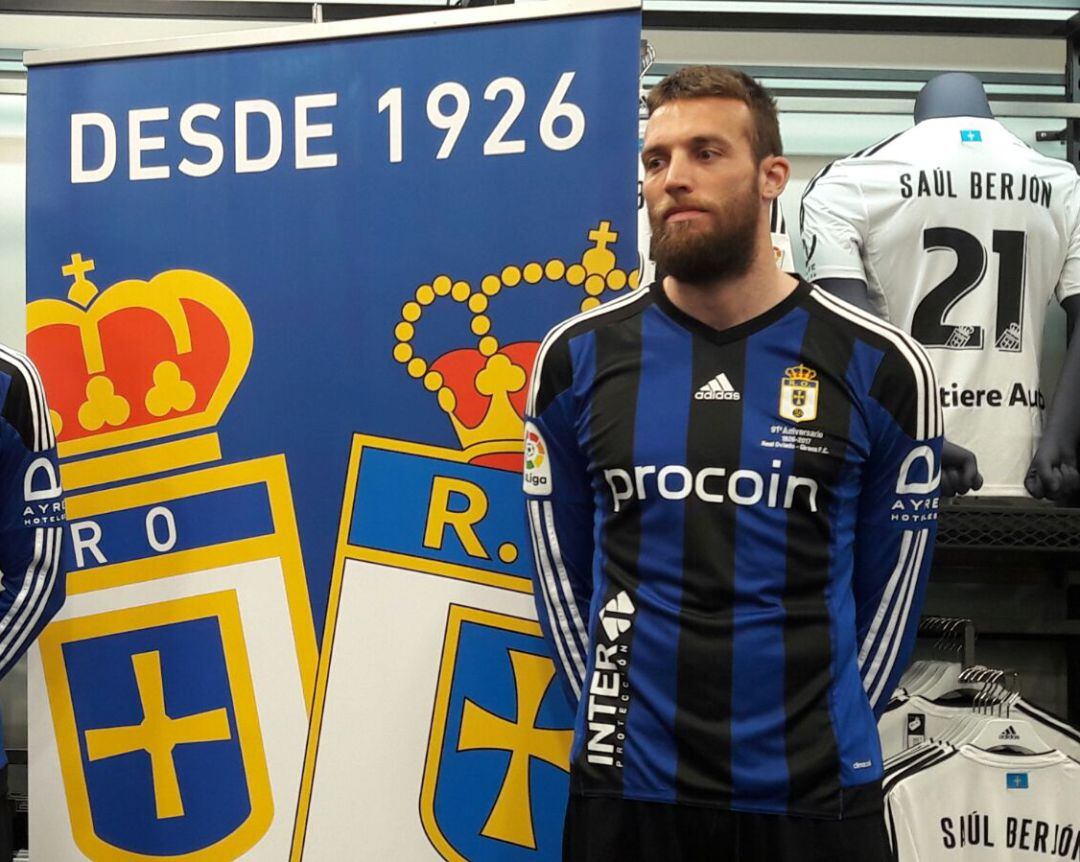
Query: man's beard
x: 684, y: 251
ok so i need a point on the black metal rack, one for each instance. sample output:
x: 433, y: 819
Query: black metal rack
x: 853, y: 21
x: 954, y: 635
x: 1072, y: 91
x: 1049, y: 18
x: 1047, y: 535
x: 1025, y: 544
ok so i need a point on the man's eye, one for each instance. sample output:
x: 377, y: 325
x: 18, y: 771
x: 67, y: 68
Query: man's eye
x: 708, y: 155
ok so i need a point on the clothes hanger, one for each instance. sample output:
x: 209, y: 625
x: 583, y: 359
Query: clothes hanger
x: 942, y: 677
x: 1013, y: 734
x: 945, y: 681
x: 998, y: 730
x: 924, y: 672
x: 970, y: 683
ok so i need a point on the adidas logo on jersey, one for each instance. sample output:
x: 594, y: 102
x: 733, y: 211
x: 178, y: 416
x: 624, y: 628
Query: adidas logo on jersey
x: 1009, y: 733
x: 718, y: 389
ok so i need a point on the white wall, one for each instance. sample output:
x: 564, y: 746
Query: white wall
x: 13, y: 332
x: 859, y: 50
x: 12, y: 222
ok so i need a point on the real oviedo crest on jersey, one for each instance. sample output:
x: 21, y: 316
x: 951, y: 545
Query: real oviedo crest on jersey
x: 799, y: 394
x: 499, y: 754
x: 158, y: 732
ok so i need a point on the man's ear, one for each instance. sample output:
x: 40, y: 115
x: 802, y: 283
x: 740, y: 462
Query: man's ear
x: 775, y: 172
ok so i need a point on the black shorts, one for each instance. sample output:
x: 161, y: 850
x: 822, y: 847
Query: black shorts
x: 599, y: 829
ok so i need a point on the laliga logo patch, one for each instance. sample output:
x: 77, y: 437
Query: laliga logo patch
x: 535, y: 453
x: 537, y: 474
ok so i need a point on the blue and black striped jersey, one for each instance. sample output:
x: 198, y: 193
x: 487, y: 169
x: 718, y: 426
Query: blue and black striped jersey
x: 732, y: 532
x: 32, y: 514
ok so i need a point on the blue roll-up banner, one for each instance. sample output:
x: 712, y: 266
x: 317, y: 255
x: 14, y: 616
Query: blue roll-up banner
x: 285, y: 290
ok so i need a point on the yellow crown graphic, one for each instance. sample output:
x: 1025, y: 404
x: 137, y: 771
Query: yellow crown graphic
x: 800, y: 372
x: 482, y: 389
x: 140, y: 360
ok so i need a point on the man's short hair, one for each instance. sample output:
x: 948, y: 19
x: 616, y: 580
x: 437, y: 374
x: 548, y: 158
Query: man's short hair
x: 723, y: 82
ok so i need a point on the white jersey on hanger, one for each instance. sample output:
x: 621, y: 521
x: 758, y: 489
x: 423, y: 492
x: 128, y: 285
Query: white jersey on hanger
x: 910, y: 721
x: 963, y: 234
x: 978, y: 806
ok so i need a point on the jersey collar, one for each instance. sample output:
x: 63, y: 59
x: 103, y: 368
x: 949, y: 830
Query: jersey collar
x: 733, y: 333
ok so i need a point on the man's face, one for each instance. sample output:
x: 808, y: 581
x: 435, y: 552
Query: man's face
x: 702, y: 188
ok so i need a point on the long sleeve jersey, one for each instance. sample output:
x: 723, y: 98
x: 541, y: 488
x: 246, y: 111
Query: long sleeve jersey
x: 32, y: 513
x: 732, y: 532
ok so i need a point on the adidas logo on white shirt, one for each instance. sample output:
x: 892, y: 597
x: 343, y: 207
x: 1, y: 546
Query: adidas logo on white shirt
x: 718, y: 389
x: 1009, y: 733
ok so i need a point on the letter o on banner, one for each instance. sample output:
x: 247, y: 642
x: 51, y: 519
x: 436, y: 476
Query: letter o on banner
x: 155, y: 516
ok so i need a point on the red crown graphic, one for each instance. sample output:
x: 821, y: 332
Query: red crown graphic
x: 139, y: 361
x: 483, y: 389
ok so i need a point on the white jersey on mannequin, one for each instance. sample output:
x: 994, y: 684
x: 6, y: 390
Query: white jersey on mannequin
x: 962, y: 234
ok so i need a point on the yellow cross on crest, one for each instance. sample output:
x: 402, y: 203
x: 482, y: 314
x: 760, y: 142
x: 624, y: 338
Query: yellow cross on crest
x: 158, y: 734
x: 511, y: 818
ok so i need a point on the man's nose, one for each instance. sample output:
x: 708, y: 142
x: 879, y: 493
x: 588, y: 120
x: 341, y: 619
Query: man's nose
x: 679, y: 174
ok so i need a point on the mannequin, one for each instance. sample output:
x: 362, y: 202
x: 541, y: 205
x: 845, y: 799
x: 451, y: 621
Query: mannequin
x: 1053, y: 473
x: 954, y: 94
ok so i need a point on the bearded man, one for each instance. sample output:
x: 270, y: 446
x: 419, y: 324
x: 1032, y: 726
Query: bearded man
x: 732, y: 521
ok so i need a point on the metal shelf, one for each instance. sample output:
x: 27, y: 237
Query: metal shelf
x: 850, y: 90
x: 992, y: 544
x: 1044, y: 18
x: 229, y: 10
x: 1007, y: 526
x: 1027, y: 18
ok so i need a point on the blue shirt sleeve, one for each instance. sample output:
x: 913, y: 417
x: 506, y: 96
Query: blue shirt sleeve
x: 897, y: 520
x: 32, y: 514
x: 559, y: 508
